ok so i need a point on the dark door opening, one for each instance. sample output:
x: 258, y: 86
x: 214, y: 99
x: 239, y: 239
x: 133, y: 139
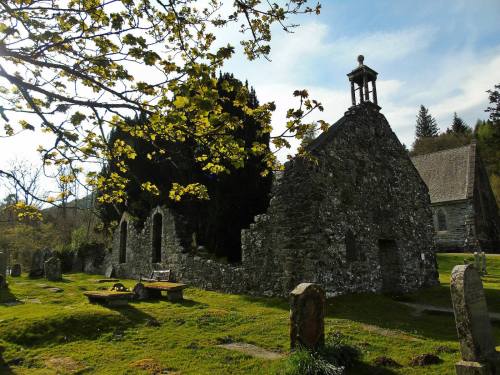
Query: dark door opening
x: 157, y: 232
x: 123, y: 242
x: 390, y: 266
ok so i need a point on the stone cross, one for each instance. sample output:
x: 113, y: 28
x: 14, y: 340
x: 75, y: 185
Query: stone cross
x: 52, y: 269
x: 15, y: 271
x: 3, y: 270
x: 307, y: 316
x: 475, y: 334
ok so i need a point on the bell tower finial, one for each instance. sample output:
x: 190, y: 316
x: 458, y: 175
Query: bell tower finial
x: 360, y: 78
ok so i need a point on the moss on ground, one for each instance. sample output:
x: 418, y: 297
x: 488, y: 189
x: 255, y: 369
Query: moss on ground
x: 60, y: 332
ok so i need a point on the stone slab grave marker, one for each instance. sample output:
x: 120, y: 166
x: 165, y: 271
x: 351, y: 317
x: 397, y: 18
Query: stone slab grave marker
x: 15, y: 271
x: 477, y: 261
x: 52, y: 269
x: 38, y: 262
x: 483, y: 265
x: 475, y: 334
x: 307, y: 316
x: 3, y: 270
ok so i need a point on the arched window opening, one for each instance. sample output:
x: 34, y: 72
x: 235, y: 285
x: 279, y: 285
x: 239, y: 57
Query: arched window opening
x: 157, y: 234
x: 441, y: 219
x: 123, y: 242
x: 350, y: 247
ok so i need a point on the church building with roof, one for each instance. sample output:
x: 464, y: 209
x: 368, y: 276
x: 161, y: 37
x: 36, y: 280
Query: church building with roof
x: 465, y: 212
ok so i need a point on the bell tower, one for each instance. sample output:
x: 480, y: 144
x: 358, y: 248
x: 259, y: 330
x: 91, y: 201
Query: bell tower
x: 360, y: 79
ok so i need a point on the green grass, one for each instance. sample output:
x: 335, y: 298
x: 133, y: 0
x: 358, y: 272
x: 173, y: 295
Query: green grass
x: 64, y: 333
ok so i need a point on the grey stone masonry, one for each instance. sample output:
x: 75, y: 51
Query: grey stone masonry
x: 355, y: 219
x: 307, y: 316
x: 3, y: 270
x: 52, y: 269
x: 473, y: 324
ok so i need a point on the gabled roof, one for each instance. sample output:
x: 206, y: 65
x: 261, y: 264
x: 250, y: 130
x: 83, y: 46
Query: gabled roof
x: 448, y: 174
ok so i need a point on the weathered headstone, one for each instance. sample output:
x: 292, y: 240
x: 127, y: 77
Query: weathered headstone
x: 3, y: 270
x: 483, y: 264
x: 307, y: 316
x: 474, y: 330
x: 110, y: 272
x: 477, y: 261
x: 37, y: 262
x: 52, y: 269
x: 15, y: 271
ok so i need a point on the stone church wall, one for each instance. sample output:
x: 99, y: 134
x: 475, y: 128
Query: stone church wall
x: 358, y: 219
x: 456, y: 215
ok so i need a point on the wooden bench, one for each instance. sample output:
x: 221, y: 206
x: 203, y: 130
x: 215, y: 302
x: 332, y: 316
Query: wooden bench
x: 109, y: 297
x: 174, y: 290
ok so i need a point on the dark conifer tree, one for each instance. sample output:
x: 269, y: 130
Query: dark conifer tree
x: 458, y: 126
x: 426, y: 124
x: 235, y: 197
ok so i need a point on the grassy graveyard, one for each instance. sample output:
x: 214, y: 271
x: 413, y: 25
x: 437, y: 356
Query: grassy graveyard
x: 56, y: 331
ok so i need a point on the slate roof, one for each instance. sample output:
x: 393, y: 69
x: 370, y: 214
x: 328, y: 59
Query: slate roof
x: 448, y: 174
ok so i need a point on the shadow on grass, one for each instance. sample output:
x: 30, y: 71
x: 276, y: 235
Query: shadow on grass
x: 362, y: 368
x: 67, y: 326
x: 6, y: 295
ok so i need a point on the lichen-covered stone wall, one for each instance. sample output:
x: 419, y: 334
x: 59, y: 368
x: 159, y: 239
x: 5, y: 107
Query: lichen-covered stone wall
x: 358, y: 219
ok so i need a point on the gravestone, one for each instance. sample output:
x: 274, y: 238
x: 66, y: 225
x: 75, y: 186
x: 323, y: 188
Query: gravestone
x: 307, y: 316
x: 475, y: 334
x: 3, y: 270
x: 37, y: 262
x: 110, y: 272
x: 15, y: 271
x: 483, y: 265
x: 477, y: 261
x: 52, y: 269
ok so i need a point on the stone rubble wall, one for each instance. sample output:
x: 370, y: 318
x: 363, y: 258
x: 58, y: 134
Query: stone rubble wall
x: 457, y: 214
x: 363, y: 183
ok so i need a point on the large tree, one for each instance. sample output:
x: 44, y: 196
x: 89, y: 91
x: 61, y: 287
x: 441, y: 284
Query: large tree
x: 458, y: 126
x: 426, y: 124
x: 78, y: 68
x: 235, y: 197
x: 494, y: 108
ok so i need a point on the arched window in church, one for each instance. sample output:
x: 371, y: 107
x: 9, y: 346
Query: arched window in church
x: 157, y: 233
x: 350, y: 247
x: 123, y: 242
x: 441, y: 220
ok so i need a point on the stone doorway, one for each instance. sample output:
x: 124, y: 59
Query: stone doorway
x: 390, y: 266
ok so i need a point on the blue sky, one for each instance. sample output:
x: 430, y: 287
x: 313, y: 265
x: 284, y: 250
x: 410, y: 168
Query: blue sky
x: 443, y: 54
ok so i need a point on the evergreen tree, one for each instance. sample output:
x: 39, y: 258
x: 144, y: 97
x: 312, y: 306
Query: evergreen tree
x: 235, y: 197
x: 494, y: 109
x: 426, y: 124
x: 458, y: 126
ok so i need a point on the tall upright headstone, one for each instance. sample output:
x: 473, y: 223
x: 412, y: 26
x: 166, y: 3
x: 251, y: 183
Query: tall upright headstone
x: 307, y: 316
x: 37, y: 262
x: 483, y: 263
x: 15, y: 271
x: 475, y: 334
x: 52, y: 269
x: 3, y: 270
x: 477, y: 261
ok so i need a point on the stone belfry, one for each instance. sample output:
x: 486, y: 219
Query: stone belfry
x: 360, y: 79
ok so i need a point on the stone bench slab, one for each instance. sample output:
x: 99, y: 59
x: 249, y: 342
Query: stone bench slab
x: 166, y: 286
x: 109, y: 297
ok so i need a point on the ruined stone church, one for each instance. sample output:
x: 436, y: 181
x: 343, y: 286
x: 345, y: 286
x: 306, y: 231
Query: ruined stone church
x: 464, y: 208
x: 356, y: 220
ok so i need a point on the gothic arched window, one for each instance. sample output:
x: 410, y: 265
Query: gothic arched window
x: 123, y: 242
x: 441, y: 220
x: 157, y: 232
